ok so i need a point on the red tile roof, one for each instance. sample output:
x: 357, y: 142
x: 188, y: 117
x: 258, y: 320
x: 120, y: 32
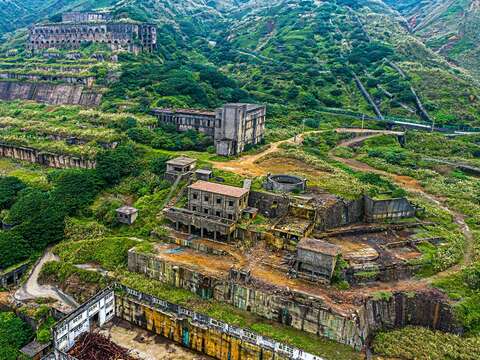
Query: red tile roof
x: 219, y: 189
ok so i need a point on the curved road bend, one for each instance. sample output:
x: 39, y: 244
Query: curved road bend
x: 31, y: 289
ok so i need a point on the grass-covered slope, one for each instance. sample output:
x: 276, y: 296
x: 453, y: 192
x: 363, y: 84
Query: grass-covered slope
x: 450, y: 27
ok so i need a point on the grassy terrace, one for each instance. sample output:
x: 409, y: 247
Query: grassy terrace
x: 46, y: 127
x: 42, y: 128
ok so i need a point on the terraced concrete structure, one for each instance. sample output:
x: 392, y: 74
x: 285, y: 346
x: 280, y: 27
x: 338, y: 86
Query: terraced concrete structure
x: 80, y: 28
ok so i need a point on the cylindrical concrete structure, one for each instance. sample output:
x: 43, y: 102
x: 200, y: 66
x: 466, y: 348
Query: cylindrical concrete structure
x: 285, y: 183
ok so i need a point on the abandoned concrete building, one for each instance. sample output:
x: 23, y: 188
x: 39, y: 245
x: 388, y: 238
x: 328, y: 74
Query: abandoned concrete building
x: 203, y: 174
x: 188, y: 119
x: 179, y: 168
x: 83, y: 28
x: 233, y: 127
x: 317, y: 257
x: 127, y: 215
x: 212, y: 210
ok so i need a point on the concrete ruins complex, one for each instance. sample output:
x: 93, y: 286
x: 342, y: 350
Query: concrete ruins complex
x: 184, y: 326
x: 80, y: 28
x: 293, y: 245
x: 233, y: 127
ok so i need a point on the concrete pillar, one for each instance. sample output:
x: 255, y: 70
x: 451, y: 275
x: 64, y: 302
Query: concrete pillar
x: 215, y: 235
x: 201, y: 232
x: 177, y: 225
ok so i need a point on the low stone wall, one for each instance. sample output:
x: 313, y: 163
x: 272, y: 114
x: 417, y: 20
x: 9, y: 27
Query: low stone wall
x: 49, y: 93
x: 46, y: 159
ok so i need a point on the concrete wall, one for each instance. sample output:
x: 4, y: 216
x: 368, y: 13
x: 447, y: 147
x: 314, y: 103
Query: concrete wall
x: 49, y: 93
x: 200, y: 332
x: 293, y: 309
x: 12, y: 276
x: 46, y: 159
x: 270, y: 205
x: 118, y: 36
x: 387, y: 209
x: 340, y: 214
x: 76, y: 80
x: 302, y: 311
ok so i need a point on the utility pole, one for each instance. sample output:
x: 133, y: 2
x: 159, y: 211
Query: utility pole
x: 363, y: 121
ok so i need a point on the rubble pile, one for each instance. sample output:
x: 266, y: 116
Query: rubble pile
x: 93, y: 346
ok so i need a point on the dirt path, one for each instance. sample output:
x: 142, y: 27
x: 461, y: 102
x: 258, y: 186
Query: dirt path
x: 247, y: 165
x: 31, y: 289
x: 413, y: 186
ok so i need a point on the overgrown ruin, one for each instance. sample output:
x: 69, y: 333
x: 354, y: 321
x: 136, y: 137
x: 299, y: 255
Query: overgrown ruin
x: 101, y: 28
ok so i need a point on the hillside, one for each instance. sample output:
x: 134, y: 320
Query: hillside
x: 450, y: 28
x: 300, y: 58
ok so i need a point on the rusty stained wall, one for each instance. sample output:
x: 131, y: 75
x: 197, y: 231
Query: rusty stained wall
x: 339, y: 214
x: 292, y: 309
x: 270, y: 205
x: 207, y: 341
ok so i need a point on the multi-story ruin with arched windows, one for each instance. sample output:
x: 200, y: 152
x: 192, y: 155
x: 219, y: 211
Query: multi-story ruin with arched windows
x: 81, y: 28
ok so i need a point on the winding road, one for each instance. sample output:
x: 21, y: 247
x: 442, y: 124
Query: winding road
x: 32, y: 290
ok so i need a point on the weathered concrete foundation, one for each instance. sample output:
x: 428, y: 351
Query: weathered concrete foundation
x: 50, y: 93
x: 351, y: 324
x: 46, y: 159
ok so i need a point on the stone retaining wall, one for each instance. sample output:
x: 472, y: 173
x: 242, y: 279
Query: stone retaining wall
x: 49, y: 93
x: 46, y: 159
x: 303, y: 311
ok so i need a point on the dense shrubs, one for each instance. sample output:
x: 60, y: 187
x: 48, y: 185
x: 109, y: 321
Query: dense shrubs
x: 38, y: 216
x: 9, y: 188
x: 168, y: 138
x: 14, y: 334
x: 414, y: 343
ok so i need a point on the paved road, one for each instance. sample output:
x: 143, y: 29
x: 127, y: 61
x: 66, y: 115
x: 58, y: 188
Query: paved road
x: 31, y: 289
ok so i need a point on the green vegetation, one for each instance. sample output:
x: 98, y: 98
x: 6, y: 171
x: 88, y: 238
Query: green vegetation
x: 38, y: 215
x: 414, y: 343
x: 235, y: 316
x: 14, y: 334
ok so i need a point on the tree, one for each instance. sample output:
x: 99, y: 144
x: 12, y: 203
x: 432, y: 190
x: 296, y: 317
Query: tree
x: 112, y: 165
x: 159, y: 164
x: 14, y: 334
x: 76, y: 189
x: 9, y: 187
x: 13, y: 248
